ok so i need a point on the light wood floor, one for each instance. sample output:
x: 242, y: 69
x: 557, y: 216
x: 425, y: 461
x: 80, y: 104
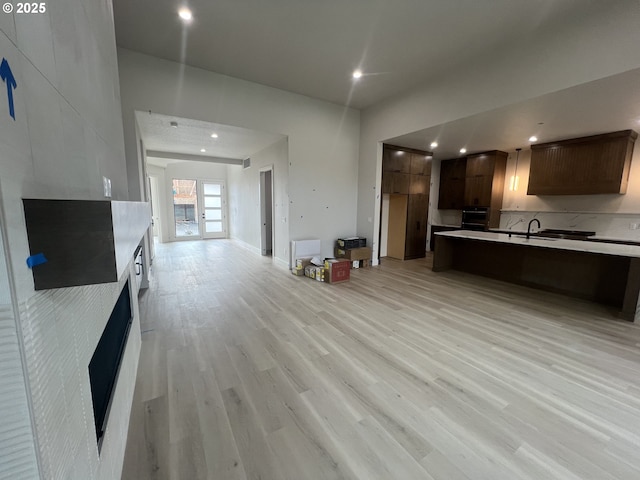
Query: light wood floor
x: 247, y: 371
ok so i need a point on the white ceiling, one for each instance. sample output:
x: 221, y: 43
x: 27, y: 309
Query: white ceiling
x: 312, y: 47
x: 193, y: 135
x: 592, y: 108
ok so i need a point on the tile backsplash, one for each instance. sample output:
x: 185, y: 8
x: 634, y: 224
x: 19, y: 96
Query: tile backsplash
x: 614, y: 225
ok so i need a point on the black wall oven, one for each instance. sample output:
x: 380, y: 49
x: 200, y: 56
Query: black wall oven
x: 475, y: 218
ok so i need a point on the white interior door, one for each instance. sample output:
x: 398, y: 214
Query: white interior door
x: 213, y: 219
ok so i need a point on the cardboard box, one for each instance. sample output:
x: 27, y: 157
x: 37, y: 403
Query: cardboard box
x: 337, y: 270
x: 315, y: 272
x: 302, y: 262
x: 351, y: 242
x: 362, y: 253
x: 298, y: 272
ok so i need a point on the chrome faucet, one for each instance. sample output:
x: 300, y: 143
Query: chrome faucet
x: 529, y: 226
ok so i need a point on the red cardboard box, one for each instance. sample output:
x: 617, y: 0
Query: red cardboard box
x: 337, y: 270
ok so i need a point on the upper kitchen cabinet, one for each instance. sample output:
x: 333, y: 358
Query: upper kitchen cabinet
x: 452, y: 180
x: 484, y: 179
x: 582, y: 166
x: 405, y: 171
x: 395, y: 182
x: 396, y: 160
x: 421, y: 164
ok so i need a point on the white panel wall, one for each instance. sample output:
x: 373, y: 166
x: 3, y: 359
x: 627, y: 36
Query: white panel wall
x: 323, y: 137
x: 67, y: 134
x: 18, y: 458
x: 601, y: 40
x: 244, y: 199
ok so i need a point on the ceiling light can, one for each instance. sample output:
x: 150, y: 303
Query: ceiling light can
x: 185, y: 14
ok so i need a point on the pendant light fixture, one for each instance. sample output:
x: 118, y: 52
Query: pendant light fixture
x: 513, y: 183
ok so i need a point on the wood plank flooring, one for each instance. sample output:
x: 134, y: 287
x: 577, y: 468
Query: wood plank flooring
x: 248, y: 372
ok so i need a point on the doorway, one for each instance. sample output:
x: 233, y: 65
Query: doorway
x: 266, y: 211
x: 213, y: 219
x: 185, y: 208
x: 199, y: 208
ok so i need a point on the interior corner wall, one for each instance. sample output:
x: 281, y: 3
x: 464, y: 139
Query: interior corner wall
x: 244, y: 200
x: 67, y: 134
x: 163, y: 203
x: 598, y: 41
x: 323, y: 137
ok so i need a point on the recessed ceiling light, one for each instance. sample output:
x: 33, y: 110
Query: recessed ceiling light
x: 463, y: 150
x: 185, y: 14
x: 174, y: 124
x: 357, y: 74
x: 202, y: 150
x: 533, y: 138
x: 434, y: 144
x: 214, y: 135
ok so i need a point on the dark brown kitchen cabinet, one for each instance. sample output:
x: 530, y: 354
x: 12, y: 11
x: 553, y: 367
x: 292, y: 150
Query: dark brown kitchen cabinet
x: 477, y: 191
x: 396, y: 160
x: 416, y: 235
x: 452, y: 179
x: 419, y: 184
x: 582, y: 166
x: 484, y: 183
x: 394, y: 182
x: 484, y: 179
x: 420, y: 164
x: 406, y: 181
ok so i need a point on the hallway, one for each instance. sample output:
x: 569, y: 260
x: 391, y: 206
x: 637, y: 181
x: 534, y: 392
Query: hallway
x: 247, y: 371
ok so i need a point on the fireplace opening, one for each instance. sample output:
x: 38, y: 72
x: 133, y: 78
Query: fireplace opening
x: 106, y: 359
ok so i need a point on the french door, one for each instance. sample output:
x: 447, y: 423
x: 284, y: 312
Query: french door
x: 213, y: 217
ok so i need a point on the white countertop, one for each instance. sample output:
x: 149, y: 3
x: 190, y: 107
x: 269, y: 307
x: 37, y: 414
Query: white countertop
x: 556, y: 243
x: 613, y: 239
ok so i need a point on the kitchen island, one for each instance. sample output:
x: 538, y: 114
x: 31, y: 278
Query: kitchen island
x: 607, y: 273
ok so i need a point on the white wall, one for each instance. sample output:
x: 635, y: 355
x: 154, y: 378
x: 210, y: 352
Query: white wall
x: 323, y: 137
x: 66, y: 135
x: 18, y: 459
x: 601, y: 41
x: 244, y: 199
x: 162, y: 203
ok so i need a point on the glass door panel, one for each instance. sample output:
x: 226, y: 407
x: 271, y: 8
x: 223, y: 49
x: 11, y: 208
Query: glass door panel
x: 213, y: 217
x: 185, y: 208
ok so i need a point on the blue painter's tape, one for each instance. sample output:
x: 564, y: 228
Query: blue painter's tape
x: 36, y: 259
